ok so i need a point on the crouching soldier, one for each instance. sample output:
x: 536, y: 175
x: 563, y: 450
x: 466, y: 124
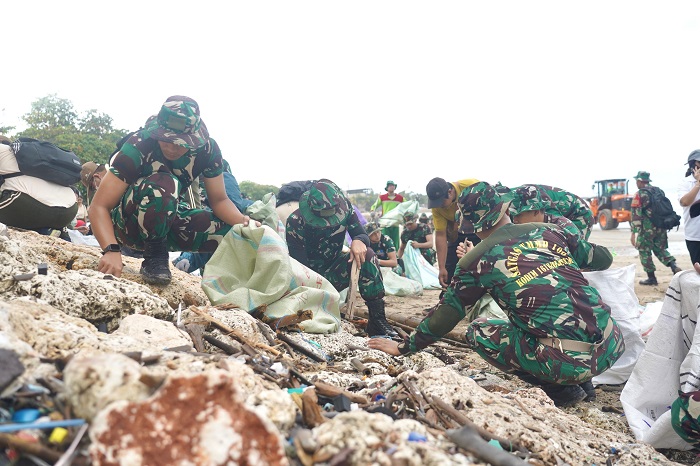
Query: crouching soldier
x: 315, y: 237
x: 559, y: 333
x: 137, y: 205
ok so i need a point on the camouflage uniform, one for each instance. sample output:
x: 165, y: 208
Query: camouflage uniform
x: 317, y: 241
x: 383, y: 247
x: 530, y: 198
x: 650, y: 239
x: 685, y: 417
x: 532, y: 272
x: 150, y: 209
x: 565, y: 204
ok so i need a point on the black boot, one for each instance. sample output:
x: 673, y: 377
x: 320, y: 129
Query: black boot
x: 674, y: 268
x: 589, y: 389
x: 564, y: 395
x: 649, y: 281
x: 155, y: 268
x: 377, y: 324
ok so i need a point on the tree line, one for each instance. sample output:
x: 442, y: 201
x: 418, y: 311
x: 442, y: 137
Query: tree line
x: 91, y: 135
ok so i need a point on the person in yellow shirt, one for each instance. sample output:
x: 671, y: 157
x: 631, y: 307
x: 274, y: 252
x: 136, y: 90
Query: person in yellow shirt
x: 442, y: 199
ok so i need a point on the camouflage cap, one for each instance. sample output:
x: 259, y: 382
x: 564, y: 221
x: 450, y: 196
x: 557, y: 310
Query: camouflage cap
x: 528, y: 198
x: 482, y: 206
x: 372, y: 227
x: 409, y: 217
x: 642, y: 176
x: 178, y: 122
x: 324, y: 205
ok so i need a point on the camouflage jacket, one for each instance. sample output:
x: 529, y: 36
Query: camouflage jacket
x: 533, y: 272
x: 641, y: 214
x: 318, y: 247
x: 419, y: 235
x: 140, y: 156
x: 383, y: 247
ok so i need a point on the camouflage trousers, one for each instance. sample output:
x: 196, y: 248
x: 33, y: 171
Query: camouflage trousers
x: 510, y: 349
x: 653, y: 241
x: 685, y: 417
x: 429, y: 255
x: 149, y: 211
x: 370, y: 282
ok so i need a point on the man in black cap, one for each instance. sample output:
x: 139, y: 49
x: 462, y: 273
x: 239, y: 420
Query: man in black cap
x: 443, y: 198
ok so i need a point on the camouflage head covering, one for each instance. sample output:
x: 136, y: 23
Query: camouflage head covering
x: 642, y: 176
x: 528, y: 198
x: 178, y: 122
x: 482, y: 206
x: 409, y: 217
x: 372, y: 227
x: 324, y: 205
x: 501, y: 188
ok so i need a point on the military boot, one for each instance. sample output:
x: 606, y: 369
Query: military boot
x: 674, y: 268
x: 589, y: 389
x: 564, y: 395
x: 155, y: 268
x: 649, y: 281
x: 377, y: 325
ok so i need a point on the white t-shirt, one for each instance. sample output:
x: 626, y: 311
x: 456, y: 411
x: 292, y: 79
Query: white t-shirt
x: 50, y: 194
x: 690, y: 225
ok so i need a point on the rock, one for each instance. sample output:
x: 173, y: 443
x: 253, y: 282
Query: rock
x: 12, y: 368
x: 275, y: 405
x: 197, y: 419
x: 153, y: 332
x: 94, y: 381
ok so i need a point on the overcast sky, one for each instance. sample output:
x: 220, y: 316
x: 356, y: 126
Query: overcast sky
x: 555, y: 92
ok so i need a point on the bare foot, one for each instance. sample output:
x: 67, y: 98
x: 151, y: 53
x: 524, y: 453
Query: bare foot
x: 696, y: 266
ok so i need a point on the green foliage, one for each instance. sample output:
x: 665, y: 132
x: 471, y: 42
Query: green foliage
x: 91, y: 136
x: 256, y: 191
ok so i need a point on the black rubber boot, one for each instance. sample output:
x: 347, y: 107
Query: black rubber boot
x: 674, y: 268
x: 649, y: 281
x: 589, y: 389
x: 529, y: 378
x: 377, y: 325
x: 155, y: 268
x: 564, y: 395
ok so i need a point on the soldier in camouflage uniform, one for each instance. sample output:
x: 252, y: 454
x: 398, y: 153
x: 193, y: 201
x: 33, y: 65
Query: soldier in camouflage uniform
x: 420, y: 235
x: 315, y: 237
x: 646, y: 237
x: 137, y: 203
x: 529, y: 205
x: 559, y: 332
x: 564, y: 204
x: 382, y: 245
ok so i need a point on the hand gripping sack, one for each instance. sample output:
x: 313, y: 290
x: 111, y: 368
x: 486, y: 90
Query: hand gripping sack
x: 44, y: 160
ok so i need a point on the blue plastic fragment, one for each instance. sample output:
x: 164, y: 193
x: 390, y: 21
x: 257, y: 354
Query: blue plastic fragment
x: 416, y: 437
x: 26, y: 415
x: 496, y: 444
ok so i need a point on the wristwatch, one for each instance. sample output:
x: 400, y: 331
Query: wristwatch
x: 112, y: 248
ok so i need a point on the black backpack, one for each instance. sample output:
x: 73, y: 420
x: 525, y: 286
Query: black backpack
x: 662, y: 213
x: 44, y: 160
x: 292, y: 191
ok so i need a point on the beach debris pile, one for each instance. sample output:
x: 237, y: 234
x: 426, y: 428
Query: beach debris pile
x: 109, y: 371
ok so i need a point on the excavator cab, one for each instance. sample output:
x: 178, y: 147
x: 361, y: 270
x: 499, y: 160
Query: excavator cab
x: 613, y: 203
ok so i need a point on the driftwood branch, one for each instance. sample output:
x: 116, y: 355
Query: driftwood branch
x: 470, y: 440
x: 306, y: 352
